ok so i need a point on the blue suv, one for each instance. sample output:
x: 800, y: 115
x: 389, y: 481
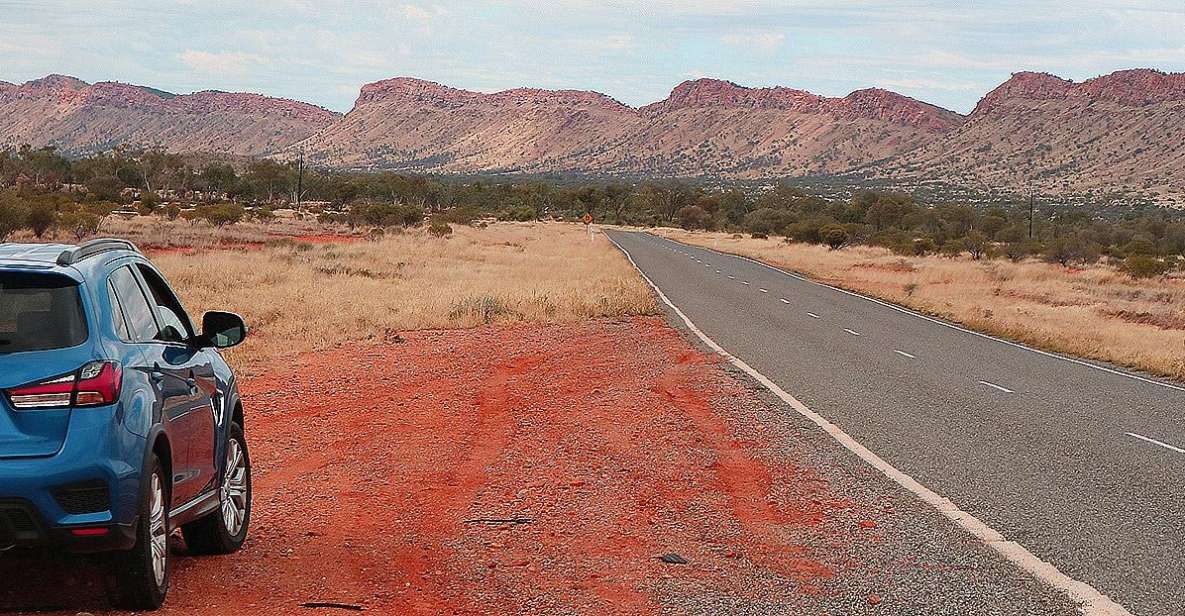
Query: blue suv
x: 119, y: 422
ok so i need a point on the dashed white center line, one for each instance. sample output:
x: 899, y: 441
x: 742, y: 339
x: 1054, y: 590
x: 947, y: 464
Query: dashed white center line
x: 994, y: 386
x: 854, y: 333
x: 763, y: 290
x: 1155, y: 442
x: 732, y: 277
x: 813, y: 315
x: 904, y: 354
x: 745, y: 282
x: 785, y: 301
x: 717, y: 271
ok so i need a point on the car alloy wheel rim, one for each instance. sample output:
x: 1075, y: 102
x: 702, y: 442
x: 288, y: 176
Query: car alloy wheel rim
x: 158, y: 534
x: 234, y: 489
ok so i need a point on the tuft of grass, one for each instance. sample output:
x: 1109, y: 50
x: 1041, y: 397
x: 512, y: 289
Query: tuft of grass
x: 1098, y: 312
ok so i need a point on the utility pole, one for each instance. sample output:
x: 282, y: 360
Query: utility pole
x: 300, y: 179
x: 1032, y: 205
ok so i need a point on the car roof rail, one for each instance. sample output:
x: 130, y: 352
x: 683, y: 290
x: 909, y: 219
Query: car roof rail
x: 89, y: 249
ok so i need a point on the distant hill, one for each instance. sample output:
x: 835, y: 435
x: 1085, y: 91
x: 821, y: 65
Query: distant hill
x: 1123, y: 131
x: 705, y: 127
x: 1126, y: 129
x: 82, y: 118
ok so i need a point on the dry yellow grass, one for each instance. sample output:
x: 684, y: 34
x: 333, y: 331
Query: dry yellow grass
x: 158, y: 232
x: 301, y: 297
x: 1096, y: 312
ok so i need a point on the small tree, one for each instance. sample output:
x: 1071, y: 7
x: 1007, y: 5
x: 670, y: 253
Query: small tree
x: 172, y: 211
x: 977, y: 244
x: 149, y: 202
x: 12, y: 215
x: 835, y: 236
x: 41, y: 220
x: 693, y: 217
x: 81, y: 223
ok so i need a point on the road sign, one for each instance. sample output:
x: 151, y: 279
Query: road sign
x: 587, y: 219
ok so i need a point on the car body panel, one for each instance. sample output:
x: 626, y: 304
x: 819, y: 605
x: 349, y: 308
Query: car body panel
x: 174, y: 398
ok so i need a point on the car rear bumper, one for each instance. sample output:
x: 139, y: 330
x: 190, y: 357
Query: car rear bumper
x: 22, y: 526
x: 85, y: 498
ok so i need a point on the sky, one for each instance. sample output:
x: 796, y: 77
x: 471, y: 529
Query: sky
x: 949, y: 53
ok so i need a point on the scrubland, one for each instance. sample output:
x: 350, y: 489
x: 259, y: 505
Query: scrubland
x: 300, y: 295
x: 1095, y: 312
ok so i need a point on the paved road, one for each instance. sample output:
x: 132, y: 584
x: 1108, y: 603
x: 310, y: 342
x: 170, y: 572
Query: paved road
x: 1081, y: 464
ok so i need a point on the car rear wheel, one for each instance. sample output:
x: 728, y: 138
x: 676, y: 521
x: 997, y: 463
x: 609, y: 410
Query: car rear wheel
x: 140, y: 576
x: 225, y: 529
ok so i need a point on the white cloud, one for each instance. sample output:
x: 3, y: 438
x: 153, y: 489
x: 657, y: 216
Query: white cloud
x: 766, y: 42
x: 421, y: 13
x: 233, y: 62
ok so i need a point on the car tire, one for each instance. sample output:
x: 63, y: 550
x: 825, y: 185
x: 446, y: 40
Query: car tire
x: 139, y: 577
x: 225, y: 529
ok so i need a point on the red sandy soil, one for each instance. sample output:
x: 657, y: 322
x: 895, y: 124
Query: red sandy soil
x: 614, y: 442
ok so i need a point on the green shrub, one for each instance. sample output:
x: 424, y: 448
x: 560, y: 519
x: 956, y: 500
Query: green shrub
x: 835, y: 236
x: 439, y: 228
x: 1144, y: 266
x: 387, y: 214
x: 41, y: 220
x: 693, y: 217
x: 80, y: 222
x: 768, y: 221
x: 923, y: 246
x: 221, y: 214
x: 12, y: 215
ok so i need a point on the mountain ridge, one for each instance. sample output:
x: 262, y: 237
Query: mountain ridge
x: 1115, y: 130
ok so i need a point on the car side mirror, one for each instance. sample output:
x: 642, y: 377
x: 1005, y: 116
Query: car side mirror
x: 222, y: 329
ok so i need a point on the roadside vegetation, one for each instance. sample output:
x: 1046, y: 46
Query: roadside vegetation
x: 1091, y: 311
x: 299, y: 296
x: 1104, y: 283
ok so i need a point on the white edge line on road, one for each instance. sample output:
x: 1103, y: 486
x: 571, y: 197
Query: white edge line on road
x: 1092, y: 602
x: 944, y: 323
x: 1155, y: 442
x: 994, y: 386
x: 904, y: 354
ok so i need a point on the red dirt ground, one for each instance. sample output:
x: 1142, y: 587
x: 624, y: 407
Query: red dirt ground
x: 380, y: 471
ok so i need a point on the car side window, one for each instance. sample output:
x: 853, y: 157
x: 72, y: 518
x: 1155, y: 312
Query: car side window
x: 136, y: 309
x: 175, y: 325
x: 121, y: 322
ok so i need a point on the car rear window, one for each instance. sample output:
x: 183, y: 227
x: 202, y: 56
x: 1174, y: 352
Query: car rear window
x: 39, y: 312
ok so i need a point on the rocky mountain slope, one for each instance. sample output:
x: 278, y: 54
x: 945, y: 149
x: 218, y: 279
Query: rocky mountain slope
x: 704, y: 127
x: 1123, y: 130
x: 81, y: 118
x: 1120, y: 131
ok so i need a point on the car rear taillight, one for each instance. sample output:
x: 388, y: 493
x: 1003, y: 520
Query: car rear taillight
x: 94, y: 384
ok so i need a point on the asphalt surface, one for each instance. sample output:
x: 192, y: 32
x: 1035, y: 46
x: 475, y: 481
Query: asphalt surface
x: 1081, y: 463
